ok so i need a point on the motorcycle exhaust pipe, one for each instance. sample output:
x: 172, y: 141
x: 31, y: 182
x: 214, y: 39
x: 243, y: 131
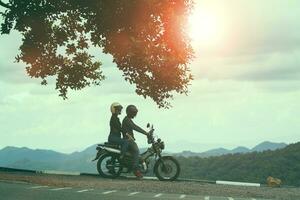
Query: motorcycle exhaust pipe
x: 112, y: 150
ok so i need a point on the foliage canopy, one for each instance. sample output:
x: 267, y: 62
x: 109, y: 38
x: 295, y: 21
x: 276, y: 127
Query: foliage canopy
x: 147, y: 39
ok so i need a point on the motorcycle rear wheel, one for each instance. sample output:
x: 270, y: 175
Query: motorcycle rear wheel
x: 167, y: 168
x: 108, y: 166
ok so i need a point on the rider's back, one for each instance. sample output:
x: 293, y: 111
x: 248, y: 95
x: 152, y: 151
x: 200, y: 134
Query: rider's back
x: 128, y: 126
x: 115, y: 125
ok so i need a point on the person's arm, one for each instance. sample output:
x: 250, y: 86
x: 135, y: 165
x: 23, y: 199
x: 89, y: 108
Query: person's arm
x: 137, y: 128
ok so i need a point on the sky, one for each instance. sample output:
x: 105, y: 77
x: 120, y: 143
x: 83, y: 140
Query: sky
x: 246, y: 88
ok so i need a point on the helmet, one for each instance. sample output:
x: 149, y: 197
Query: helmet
x: 131, y: 111
x: 115, y: 107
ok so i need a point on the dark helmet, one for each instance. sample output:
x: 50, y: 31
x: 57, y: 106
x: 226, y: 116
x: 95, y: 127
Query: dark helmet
x: 131, y: 111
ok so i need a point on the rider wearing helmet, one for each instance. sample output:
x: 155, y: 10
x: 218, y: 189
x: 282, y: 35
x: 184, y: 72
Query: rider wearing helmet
x: 115, y: 129
x: 127, y: 129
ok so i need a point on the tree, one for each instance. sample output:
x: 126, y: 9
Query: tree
x: 147, y: 39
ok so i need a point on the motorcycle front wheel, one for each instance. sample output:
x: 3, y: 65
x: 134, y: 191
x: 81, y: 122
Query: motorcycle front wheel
x: 108, y: 166
x: 167, y: 168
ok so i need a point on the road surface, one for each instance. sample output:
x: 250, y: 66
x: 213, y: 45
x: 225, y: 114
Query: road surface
x: 25, y: 191
x: 25, y: 185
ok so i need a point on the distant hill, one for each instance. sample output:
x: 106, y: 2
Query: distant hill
x: 268, y: 146
x: 264, y: 146
x: 13, y: 154
x: 240, y: 150
x: 256, y: 166
x: 38, y: 159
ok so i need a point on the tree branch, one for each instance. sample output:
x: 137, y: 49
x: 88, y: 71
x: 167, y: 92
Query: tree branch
x: 5, y: 5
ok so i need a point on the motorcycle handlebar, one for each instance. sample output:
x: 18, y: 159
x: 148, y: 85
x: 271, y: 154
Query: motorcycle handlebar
x: 150, y: 137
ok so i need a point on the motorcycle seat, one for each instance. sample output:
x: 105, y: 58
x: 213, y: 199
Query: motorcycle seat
x: 111, y: 145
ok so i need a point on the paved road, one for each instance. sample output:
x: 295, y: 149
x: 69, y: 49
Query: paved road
x: 23, y: 191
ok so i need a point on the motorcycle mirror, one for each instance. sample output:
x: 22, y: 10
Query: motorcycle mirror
x: 148, y: 125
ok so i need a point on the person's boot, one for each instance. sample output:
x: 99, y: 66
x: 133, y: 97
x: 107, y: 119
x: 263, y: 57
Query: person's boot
x: 138, y: 174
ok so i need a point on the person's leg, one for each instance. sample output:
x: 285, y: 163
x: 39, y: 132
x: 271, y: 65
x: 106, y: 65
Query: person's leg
x: 114, y: 140
x: 135, y: 155
x: 134, y: 150
x: 124, y: 147
x: 119, y: 141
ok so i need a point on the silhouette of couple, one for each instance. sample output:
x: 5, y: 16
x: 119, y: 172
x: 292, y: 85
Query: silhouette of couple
x: 127, y: 141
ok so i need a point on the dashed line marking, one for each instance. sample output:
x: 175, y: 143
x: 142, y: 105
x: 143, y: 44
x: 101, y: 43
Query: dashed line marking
x: 182, y: 196
x: 206, y: 198
x: 64, y: 188
x: 40, y: 186
x: 230, y: 198
x: 133, y: 193
x: 108, y: 192
x: 157, y: 195
x: 86, y: 190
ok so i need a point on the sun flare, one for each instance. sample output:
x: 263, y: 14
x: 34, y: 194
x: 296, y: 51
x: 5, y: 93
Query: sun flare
x: 204, y: 27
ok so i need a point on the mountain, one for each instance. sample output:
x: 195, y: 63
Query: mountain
x: 39, y: 159
x: 268, y: 146
x: 240, y: 149
x: 88, y: 152
x: 215, y: 152
x: 12, y: 154
x: 264, y: 146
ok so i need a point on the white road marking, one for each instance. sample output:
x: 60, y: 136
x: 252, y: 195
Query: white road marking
x: 182, y: 196
x: 133, y: 193
x: 64, y: 188
x: 206, y: 198
x: 253, y: 199
x: 157, y: 195
x: 108, y: 192
x: 86, y: 190
x: 230, y: 198
x: 40, y: 186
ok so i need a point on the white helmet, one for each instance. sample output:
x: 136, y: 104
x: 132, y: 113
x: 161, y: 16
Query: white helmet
x: 115, y: 106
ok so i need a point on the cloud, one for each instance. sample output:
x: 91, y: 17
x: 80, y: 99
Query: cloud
x: 288, y: 74
x: 267, y: 67
x: 285, y: 67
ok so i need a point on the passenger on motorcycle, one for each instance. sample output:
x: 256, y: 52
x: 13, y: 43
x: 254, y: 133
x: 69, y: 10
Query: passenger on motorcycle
x: 127, y: 129
x: 115, y: 129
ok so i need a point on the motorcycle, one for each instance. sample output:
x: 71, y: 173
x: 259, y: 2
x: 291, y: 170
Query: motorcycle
x: 109, y: 165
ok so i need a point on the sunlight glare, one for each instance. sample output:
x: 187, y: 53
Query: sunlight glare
x: 204, y: 28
